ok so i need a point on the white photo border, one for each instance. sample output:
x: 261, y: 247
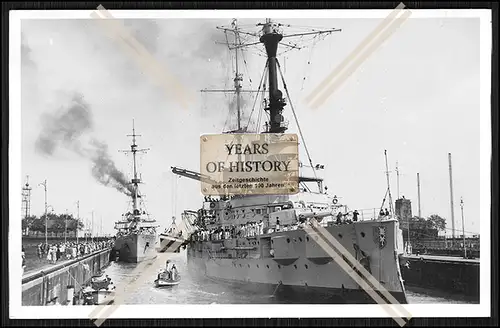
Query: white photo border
x: 17, y: 311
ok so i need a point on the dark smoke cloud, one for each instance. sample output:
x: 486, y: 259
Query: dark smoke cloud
x: 67, y: 129
x: 104, y: 169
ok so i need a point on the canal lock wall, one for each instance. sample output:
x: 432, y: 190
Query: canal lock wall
x: 455, y: 276
x: 58, y: 284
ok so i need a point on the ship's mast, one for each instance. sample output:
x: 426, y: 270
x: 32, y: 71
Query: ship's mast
x: 135, y: 180
x: 238, y: 77
x: 238, y: 80
x: 271, y: 37
x: 388, y: 184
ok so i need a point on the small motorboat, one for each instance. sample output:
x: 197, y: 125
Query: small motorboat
x: 100, y: 282
x: 164, y: 280
x: 98, y: 297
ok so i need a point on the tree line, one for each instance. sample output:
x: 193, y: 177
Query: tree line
x: 55, y: 223
x: 423, y: 228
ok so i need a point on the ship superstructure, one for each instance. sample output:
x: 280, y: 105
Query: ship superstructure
x: 258, y: 242
x: 136, y: 230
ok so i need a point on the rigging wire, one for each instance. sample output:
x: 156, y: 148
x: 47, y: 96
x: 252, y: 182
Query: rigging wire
x: 258, y: 90
x: 263, y: 99
x: 226, y: 97
x: 308, y: 63
x: 259, y: 119
x: 245, y: 62
x: 295, y: 116
x: 173, y: 193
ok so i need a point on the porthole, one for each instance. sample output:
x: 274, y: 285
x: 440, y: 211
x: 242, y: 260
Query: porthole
x: 279, y: 266
x: 249, y: 265
x: 306, y: 266
x: 257, y: 266
x: 295, y: 266
x: 340, y: 235
x: 300, y: 239
x: 362, y: 234
x: 267, y: 265
x: 307, y: 238
x: 288, y: 240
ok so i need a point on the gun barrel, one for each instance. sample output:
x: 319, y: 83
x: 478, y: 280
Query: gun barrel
x: 307, y: 215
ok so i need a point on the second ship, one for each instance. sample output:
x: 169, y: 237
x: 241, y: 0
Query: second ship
x: 136, y: 231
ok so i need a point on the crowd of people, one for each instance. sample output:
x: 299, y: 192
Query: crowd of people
x: 250, y: 229
x: 253, y: 229
x: 70, y: 249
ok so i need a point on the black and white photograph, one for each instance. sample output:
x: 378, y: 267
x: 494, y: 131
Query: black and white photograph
x: 351, y: 149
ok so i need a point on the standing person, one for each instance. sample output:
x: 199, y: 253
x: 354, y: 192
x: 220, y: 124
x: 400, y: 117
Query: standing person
x: 339, y: 218
x: 23, y: 255
x: 53, y: 252
x: 355, y: 215
x: 174, y: 272
x: 39, y: 251
x: 168, y: 269
x: 58, y: 252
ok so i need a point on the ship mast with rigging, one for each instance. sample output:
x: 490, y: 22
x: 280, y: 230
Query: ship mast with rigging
x: 271, y: 36
x: 135, y: 180
x: 238, y: 76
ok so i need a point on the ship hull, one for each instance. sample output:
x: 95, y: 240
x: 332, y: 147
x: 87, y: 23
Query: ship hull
x: 134, y: 248
x: 300, y: 270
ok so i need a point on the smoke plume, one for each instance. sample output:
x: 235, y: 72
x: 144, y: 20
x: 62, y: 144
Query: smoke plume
x: 70, y: 128
x: 104, y: 169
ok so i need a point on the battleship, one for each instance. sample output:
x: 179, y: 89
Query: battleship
x: 136, y: 231
x: 258, y: 242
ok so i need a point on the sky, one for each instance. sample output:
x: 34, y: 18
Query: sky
x: 417, y: 97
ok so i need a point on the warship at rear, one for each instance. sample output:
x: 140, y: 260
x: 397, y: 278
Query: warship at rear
x: 136, y: 231
x: 261, y: 242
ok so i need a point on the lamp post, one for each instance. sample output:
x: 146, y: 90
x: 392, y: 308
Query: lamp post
x: 50, y: 209
x: 77, y: 219
x: 44, y: 184
x: 463, y: 228
x: 86, y: 228
x: 65, y: 226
